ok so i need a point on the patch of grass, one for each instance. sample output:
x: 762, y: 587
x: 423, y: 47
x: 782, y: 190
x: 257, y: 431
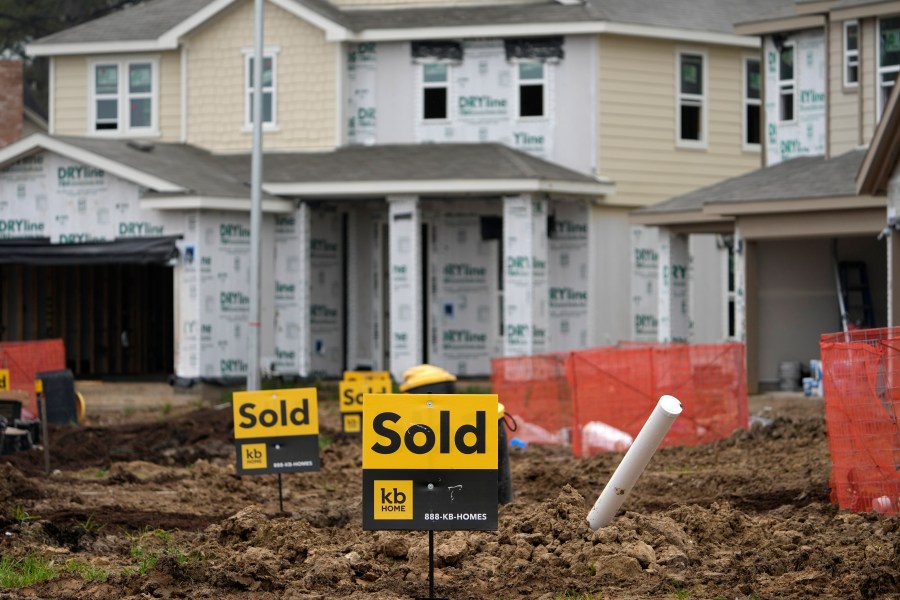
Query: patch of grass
x: 19, y: 572
x: 324, y: 441
x: 572, y: 595
x: 149, y: 545
x: 680, y: 592
x: 20, y: 515
x: 166, y: 408
x: 89, y: 524
x: 86, y: 571
x: 129, y: 411
x: 592, y: 569
x: 101, y: 473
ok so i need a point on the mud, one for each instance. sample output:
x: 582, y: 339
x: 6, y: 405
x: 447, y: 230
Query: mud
x: 154, y: 510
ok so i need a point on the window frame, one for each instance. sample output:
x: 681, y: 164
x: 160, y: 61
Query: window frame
x: 250, y: 55
x: 787, y: 84
x: 683, y: 98
x: 881, y: 94
x: 748, y: 102
x: 423, y: 85
x: 544, y: 82
x: 123, y: 96
x: 851, y: 57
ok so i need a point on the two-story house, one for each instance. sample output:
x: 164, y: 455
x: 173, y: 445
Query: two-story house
x: 808, y: 254
x: 442, y: 182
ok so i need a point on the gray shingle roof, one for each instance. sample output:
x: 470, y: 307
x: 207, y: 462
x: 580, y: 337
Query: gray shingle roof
x: 207, y: 174
x: 413, y: 162
x: 805, y: 177
x: 146, y: 21
x: 153, y: 18
x: 188, y: 166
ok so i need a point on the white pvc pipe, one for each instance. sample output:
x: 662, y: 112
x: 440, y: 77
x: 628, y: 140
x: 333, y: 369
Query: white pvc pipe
x: 634, y: 462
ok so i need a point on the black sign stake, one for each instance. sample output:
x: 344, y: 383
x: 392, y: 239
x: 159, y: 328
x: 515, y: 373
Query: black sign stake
x: 280, y: 496
x: 431, y: 595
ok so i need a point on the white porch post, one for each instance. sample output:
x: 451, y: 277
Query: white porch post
x: 405, y: 257
x: 674, y: 260
x: 525, y: 286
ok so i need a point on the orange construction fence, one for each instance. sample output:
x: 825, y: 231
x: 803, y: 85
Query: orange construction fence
x: 607, y: 394
x: 24, y: 359
x: 861, y: 379
x: 534, y: 390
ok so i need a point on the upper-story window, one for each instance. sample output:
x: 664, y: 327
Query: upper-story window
x: 125, y: 96
x: 435, y: 91
x: 786, y: 82
x: 269, y: 98
x: 691, y: 100
x: 888, y: 57
x: 532, y: 85
x: 851, y: 53
x: 752, y: 100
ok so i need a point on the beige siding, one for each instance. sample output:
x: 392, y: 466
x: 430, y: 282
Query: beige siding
x: 843, y: 102
x: 170, y: 96
x: 637, y: 120
x: 70, y: 110
x: 305, y: 78
x: 868, y: 84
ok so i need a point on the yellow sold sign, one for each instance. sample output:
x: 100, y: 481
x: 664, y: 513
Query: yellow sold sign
x: 430, y: 461
x: 276, y: 431
x: 4, y: 380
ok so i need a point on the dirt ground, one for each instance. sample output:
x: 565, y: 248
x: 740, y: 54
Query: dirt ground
x: 151, y: 508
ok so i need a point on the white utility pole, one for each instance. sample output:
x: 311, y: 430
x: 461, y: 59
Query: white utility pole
x: 253, y: 371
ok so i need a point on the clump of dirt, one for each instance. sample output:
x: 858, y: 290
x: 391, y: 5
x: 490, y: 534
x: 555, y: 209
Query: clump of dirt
x: 744, y: 517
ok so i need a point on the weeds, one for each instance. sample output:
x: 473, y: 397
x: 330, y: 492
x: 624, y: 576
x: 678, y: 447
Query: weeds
x: 146, y: 550
x: 680, y: 592
x: 20, y: 515
x: 19, y: 572
x: 572, y: 595
x: 324, y: 441
x: 86, y: 571
x: 89, y: 525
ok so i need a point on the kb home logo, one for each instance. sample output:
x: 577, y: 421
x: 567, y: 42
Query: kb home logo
x: 233, y: 301
x: 14, y: 227
x: 139, y: 228
x: 233, y: 233
x: 77, y: 176
x: 393, y: 499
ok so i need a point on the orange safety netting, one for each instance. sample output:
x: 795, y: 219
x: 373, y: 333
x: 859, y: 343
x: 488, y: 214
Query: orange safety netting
x: 24, y: 359
x: 619, y: 387
x: 861, y: 378
x: 534, y: 391
x: 580, y: 397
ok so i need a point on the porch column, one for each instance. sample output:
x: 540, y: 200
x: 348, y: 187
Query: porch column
x: 405, y: 257
x: 674, y: 314
x: 525, y: 287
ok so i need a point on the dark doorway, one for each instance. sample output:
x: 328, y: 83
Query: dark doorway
x: 114, y: 320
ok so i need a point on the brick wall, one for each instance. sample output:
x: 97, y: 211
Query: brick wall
x: 11, y: 109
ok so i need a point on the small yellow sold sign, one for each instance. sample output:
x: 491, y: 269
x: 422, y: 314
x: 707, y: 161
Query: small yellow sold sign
x: 4, y: 380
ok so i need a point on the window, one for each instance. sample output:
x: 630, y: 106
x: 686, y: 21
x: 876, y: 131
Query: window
x: 851, y: 53
x: 435, y: 81
x: 786, y: 82
x: 531, y: 89
x: 751, y: 103
x: 888, y: 58
x: 268, y: 90
x: 124, y: 96
x: 691, y: 100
